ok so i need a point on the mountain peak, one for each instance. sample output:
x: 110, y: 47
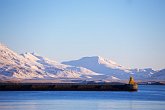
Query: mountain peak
x: 100, y: 60
x: 32, y: 65
x: 93, y: 61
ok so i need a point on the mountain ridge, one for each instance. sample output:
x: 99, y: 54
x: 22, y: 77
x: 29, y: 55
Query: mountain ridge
x: 31, y: 66
x: 111, y: 68
x: 34, y: 66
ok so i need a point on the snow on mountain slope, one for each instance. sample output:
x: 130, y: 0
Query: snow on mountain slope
x: 13, y: 65
x: 95, y: 63
x: 30, y: 66
x: 111, y: 68
x: 159, y: 75
x: 101, y: 65
x: 7, y: 56
x: 34, y: 66
x: 50, y: 65
x: 142, y: 73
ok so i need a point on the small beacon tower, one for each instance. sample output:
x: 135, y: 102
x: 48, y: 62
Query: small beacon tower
x: 131, y: 81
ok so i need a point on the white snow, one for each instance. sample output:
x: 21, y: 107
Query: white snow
x: 110, y: 68
x: 34, y: 66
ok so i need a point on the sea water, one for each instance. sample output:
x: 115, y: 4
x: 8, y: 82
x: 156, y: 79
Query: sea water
x: 148, y: 97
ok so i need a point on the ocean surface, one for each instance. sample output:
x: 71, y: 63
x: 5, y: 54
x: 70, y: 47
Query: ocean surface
x: 148, y: 97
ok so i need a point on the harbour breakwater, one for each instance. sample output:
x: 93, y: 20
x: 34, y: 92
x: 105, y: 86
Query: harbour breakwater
x: 67, y: 87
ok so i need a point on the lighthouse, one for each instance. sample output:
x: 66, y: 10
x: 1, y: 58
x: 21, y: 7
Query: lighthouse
x: 131, y: 81
x: 133, y: 84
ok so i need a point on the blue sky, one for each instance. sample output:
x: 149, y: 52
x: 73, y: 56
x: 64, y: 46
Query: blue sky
x: 130, y: 32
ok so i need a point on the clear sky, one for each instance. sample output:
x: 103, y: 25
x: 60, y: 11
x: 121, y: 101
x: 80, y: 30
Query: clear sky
x: 130, y: 32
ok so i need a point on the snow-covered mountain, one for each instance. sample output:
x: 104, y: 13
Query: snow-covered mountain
x: 111, y: 69
x: 142, y: 74
x: 101, y: 65
x: 34, y: 66
x: 30, y: 66
x: 160, y: 75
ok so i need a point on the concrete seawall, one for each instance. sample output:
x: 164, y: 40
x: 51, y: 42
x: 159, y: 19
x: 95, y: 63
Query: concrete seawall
x: 65, y: 87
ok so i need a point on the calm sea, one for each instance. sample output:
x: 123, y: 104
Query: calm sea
x: 149, y: 97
